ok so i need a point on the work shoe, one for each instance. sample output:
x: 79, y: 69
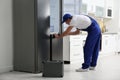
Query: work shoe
x: 91, y: 68
x: 82, y: 70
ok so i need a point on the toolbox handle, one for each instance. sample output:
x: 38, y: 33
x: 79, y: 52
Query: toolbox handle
x: 51, y: 37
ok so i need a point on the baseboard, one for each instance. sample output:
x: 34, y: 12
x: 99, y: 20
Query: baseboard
x: 66, y: 62
x: 6, y: 69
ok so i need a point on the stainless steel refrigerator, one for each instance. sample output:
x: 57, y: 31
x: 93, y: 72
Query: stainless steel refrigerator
x: 31, y: 26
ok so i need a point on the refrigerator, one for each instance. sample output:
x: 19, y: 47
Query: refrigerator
x: 32, y: 26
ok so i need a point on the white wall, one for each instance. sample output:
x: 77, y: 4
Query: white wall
x: 119, y: 16
x: 113, y: 24
x: 6, y: 36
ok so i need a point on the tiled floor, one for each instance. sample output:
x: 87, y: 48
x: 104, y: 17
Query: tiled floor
x: 108, y: 68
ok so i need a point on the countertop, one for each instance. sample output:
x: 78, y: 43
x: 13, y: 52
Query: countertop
x: 105, y: 33
x: 108, y: 33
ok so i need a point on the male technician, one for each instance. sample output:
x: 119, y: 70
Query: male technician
x: 92, y: 44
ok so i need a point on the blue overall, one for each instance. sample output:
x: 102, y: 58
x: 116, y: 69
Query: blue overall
x: 92, y: 45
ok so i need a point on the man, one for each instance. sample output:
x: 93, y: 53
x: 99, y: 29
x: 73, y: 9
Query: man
x: 92, y: 44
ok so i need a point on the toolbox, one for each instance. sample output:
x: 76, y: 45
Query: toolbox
x: 53, y: 68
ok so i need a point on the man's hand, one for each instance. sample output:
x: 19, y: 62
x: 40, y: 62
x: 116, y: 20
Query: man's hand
x: 57, y: 35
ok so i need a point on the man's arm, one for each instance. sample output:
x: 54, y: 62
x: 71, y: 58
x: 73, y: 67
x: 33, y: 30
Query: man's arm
x: 74, y: 33
x: 65, y: 33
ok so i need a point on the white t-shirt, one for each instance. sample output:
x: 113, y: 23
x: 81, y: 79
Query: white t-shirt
x: 80, y: 21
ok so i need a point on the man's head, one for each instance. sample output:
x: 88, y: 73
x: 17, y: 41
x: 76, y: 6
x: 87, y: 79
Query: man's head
x: 67, y: 18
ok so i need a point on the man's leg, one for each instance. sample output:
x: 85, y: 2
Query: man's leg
x: 88, y: 50
x: 95, y: 53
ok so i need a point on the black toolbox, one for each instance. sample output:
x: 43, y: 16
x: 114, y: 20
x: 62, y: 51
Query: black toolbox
x: 53, y: 68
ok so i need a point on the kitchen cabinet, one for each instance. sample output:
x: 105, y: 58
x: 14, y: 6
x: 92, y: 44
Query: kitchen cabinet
x: 98, y: 8
x: 76, y: 51
x: 72, y: 6
x: 84, y: 8
x: 76, y: 47
x: 105, y: 43
x: 108, y: 8
x: 99, y: 3
x: 87, y: 6
x: 109, y: 3
x: 99, y: 11
x: 93, y: 7
x: 66, y: 49
x: 108, y: 44
x: 118, y: 43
